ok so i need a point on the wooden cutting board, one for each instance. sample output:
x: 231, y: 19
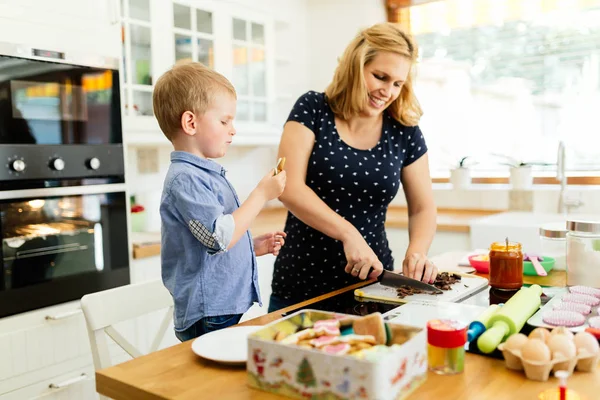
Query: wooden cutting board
x: 469, y: 284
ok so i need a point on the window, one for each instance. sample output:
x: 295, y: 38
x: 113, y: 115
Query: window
x: 137, y: 57
x: 250, y: 70
x: 193, y: 35
x: 509, y: 78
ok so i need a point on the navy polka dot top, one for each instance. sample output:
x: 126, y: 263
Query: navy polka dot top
x: 357, y: 184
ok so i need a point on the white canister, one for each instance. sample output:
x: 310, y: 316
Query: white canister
x: 553, y: 243
x: 583, y: 253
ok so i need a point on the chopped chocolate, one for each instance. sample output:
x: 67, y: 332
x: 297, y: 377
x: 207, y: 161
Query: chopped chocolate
x: 443, y: 281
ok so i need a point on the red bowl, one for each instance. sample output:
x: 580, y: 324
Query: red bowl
x: 481, y: 266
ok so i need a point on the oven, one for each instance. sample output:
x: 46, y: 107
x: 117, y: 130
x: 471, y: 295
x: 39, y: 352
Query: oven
x: 63, y: 200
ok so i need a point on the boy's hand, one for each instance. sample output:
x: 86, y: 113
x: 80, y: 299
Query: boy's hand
x: 269, y: 243
x: 271, y: 186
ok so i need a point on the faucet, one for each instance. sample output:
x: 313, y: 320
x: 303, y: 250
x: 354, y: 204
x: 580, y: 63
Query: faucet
x: 564, y: 205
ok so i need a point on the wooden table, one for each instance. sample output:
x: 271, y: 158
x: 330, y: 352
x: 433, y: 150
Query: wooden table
x: 177, y: 373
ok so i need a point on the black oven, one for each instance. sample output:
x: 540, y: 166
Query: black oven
x: 63, y: 201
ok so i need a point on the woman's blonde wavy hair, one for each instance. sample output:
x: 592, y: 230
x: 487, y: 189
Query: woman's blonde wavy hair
x: 347, y: 93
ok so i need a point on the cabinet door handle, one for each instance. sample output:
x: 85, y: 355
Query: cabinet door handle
x: 68, y: 382
x: 64, y: 315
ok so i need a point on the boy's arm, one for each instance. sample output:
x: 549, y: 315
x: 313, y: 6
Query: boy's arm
x: 244, y: 215
x: 202, y: 213
x: 270, y: 187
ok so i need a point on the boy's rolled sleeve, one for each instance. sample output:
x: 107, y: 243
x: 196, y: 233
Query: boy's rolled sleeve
x: 203, y: 214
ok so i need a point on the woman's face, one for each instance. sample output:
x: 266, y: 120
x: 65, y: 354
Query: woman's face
x: 384, y: 76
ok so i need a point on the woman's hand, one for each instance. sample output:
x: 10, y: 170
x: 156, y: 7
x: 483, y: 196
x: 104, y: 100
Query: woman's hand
x: 269, y: 243
x: 418, y: 266
x: 362, y: 261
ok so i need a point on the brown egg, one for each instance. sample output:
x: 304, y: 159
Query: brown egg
x: 535, y: 350
x: 561, y: 330
x: 585, y: 342
x: 515, y: 342
x: 540, y: 333
x: 562, y: 346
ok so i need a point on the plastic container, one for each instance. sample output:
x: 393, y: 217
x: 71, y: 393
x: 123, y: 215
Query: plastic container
x: 446, y: 346
x: 553, y: 240
x: 583, y: 253
x: 506, y: 265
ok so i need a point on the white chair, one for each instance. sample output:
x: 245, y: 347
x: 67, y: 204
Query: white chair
x: 104, y: 309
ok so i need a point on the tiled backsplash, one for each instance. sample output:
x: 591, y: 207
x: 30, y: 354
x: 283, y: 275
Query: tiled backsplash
x: 541, y: 199
x: 246, y: 165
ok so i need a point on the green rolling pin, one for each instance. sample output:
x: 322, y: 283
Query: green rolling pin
x: 477, y: 327
x: 510, y: 318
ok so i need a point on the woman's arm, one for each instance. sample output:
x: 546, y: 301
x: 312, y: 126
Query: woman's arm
x: 422, y: 214
x: 296, y: 145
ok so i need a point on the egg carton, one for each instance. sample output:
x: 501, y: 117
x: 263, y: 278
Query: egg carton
x: 540, y: 371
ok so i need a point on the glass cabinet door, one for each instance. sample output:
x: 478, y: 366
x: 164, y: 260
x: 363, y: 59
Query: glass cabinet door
x: 136, y: 36
x: 193, y: 34
x: 250, y: 70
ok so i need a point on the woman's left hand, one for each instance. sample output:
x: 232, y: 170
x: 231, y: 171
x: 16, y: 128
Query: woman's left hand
x: 269, y: 243
x: 418, y: 266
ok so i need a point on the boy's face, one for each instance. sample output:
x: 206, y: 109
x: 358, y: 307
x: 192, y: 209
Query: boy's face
x: 214, y: 129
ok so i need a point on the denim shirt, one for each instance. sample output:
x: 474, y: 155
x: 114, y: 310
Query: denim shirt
x: 204, y: 278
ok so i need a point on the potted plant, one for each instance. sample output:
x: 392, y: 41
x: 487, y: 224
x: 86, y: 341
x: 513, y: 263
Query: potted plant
x: 460, y: 175
x: 521, y: 172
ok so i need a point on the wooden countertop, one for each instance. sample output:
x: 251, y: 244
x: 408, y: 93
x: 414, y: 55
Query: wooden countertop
x: 177, y: 373
x: 270, y: 219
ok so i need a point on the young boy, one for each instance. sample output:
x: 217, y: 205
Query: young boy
x: 207, y: 254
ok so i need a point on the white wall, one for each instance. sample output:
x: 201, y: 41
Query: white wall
x: 332, y: 25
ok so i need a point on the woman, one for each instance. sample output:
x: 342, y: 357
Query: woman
x: 348, y: 152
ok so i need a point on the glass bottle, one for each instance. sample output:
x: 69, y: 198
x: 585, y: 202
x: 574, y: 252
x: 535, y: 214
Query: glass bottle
x: 506, y: 265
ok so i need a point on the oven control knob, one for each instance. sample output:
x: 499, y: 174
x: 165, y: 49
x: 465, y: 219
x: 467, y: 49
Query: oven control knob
x: 93, y: 163
x: 18, y: 165
x: 57, y: 164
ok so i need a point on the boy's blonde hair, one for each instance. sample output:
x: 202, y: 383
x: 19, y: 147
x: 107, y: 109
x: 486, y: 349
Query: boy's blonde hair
x: 347, y: 93
x: 188, y: 86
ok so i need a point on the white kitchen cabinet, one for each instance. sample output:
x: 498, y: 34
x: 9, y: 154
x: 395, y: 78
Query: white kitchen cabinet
x: 51, y: 345
x: 40, y: 344
x: 236, y: 40
x: 81, y: 26
x: 78, y: 384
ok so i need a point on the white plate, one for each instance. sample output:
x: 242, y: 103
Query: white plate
x: 228, y: 346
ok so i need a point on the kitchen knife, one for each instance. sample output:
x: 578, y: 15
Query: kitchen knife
x: 392, y: 279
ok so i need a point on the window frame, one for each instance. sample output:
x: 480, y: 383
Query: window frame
x: 129, y: 88
x: 252, y: 128
x: 193, y: 32
x: 251, y: 98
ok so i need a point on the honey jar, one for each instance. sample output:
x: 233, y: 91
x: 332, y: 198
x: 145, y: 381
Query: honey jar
x: 506, y: 265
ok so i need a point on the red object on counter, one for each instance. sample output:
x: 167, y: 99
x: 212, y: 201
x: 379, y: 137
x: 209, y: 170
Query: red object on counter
x: 594, y: 331
x: 445, y: 333
x: 137, y: 208
x: 506, y: 265
x: 480, y: 262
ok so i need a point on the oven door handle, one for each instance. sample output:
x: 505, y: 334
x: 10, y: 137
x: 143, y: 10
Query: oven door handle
x: 62, y: 191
